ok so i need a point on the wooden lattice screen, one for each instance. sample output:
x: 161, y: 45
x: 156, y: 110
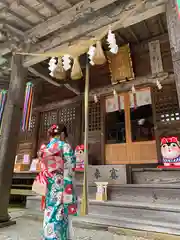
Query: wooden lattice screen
x: 26, y: 140
x: 166, y: 105
x: 166, y: 113
x: 68, y: 115
x: 27, y: 136
x: 94, y: 116
x: 95, y: 128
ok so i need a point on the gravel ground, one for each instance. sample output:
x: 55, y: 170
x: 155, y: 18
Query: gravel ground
x: 27, y: 229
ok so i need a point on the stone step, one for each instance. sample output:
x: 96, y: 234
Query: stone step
x: 125, y: 214
x: 95, y: 221
x: 152, y: 214
x: 160, y: 193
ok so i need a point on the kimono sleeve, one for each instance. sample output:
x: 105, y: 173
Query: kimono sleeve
x: 70, y: 160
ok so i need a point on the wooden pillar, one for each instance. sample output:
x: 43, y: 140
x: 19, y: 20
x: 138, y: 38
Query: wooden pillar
x: 173, y: 23
x: 10, y: 132
x: 84, y: 204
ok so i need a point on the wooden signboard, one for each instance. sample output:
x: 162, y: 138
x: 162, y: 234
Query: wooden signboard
x: 121, y: 65
x: 155, y: 57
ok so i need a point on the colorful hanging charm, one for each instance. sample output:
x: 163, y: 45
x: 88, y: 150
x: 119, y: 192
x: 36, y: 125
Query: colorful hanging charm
x: 178, y: 7
x: 3, y: 98
x: 112, y: 42
x: 27, y: 110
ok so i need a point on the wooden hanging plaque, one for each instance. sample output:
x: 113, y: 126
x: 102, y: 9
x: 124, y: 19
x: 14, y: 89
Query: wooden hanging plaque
x: 121, y: 65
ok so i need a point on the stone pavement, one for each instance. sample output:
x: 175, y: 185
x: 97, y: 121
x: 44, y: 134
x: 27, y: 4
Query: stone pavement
x: 27, y: 229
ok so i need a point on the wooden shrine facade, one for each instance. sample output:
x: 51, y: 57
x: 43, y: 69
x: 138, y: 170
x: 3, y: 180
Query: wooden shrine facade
x: 147, y: 34
x: 111, y: 150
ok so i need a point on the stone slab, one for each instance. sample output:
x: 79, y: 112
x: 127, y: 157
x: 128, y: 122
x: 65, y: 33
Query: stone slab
x: 113, y: 174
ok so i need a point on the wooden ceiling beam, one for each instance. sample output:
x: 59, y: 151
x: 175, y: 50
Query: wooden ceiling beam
x: 49, y: 5
x: 120, y: 38
x: 94, y: 27
x: 12, y: 29
x: 133, y: 34
x: 68, y: 16
x: 31, y: 10
x: 42, y: 76
x: 39, y: 74
x: 72, y: 89
x: 8, y: 9
x: 147, y: 28
x: 161, y: 25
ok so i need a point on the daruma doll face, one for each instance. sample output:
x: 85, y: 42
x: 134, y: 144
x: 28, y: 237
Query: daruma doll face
x: 170, y: 150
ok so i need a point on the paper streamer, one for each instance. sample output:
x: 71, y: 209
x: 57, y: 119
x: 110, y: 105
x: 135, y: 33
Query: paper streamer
x: 27, y: 109
x: 3, y: 98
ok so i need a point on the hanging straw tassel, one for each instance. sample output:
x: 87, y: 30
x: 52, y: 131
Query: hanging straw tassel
x: 76, y: 72
x: 59, y: 72
x: 3, y: 98
x: 27, y: 110
x: 99, y: 57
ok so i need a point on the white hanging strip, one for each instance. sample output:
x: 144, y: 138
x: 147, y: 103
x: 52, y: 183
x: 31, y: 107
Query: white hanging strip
x: 91, y: 53
x: 111, y: 39
x: 52, y: 66
x: 159, y: 86
x: 95, y: 98
x: 66, y: 62
x: 133, y: 89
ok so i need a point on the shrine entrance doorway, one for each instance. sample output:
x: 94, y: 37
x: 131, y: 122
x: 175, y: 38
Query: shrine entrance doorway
x: 129, y: 125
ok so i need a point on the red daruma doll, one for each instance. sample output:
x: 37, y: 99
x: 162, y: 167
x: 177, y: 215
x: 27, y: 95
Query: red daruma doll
x: 170, y: 150
x: 79, y: 153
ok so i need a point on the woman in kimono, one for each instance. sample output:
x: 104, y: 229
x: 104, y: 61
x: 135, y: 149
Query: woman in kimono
x: 58, y: 164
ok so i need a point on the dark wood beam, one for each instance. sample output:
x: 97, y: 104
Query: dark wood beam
x: 120, y: 37
x: 147, y: 28
x: 72, y: 89
x: 161, y: 25
x: 39, y: 73
x: 164, y: 78
x: 96, y: 25
x: 133, y: 34
x: 42, y: 76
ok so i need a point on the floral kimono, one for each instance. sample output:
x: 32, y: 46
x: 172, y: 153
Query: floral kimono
x: 58, y: 162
